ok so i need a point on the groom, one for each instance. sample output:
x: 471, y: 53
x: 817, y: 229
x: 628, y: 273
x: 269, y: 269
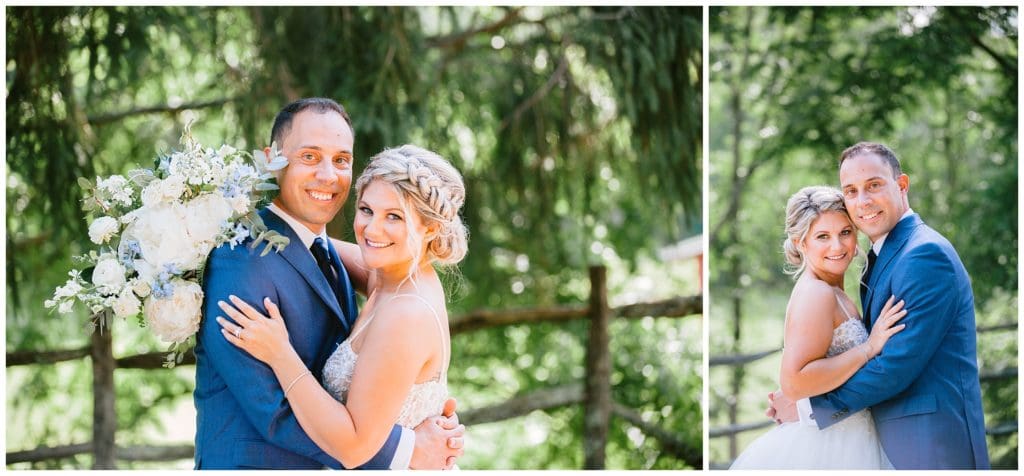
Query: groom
x: 243, y: 419
x: 923, y: 388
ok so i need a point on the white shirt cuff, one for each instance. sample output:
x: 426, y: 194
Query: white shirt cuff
x: 403, y: 454
x: 803, y: 408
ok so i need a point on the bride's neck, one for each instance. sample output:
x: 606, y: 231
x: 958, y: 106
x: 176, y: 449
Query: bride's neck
x: 393, y: 281
x: 836, y: 281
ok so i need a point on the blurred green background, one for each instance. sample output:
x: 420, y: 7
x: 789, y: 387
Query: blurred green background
x: 790, y: 88
x: 577, y: 129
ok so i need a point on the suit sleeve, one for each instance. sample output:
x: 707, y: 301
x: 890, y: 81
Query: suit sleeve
x: 925, y: 280
x: 251, y: 382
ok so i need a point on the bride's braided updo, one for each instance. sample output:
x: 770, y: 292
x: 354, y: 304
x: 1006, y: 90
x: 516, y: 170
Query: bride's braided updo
x: 430, y: 186
x: 802, y: 209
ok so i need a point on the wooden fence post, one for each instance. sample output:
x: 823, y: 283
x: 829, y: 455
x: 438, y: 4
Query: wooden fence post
x: 104, y: 416
x: 597, y: 407
x: 737, y: 371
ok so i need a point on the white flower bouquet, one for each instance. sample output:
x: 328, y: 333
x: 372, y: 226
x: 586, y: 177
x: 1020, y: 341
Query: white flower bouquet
x: 154, y: 231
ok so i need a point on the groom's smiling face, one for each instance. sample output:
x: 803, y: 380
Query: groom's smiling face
x: 875, y: 196
x: 316, y: 181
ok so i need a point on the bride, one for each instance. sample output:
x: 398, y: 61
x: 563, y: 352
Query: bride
x: 393, y: 367
x: 825, y: 342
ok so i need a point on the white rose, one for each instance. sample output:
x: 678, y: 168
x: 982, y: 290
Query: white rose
x: 176, y: 318
x: 102, y: 229
x: 109, y: 275
x: 126, y: 304
x: 205, y: 217
x: 163, y: 238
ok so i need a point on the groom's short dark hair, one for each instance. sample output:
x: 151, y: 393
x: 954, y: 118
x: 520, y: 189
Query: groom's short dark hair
x: 880, y: 150
x: 283, y: 121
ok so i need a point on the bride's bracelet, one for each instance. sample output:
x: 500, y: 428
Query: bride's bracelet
x: 867, y: 354
x: 303, y: 374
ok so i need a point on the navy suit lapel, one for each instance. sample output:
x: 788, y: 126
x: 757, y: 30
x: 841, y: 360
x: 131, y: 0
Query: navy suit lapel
x: 893, y: 243
x: 303, y: 262
x: 345, y: 295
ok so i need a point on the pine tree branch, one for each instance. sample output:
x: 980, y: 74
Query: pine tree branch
x: 101, y: 119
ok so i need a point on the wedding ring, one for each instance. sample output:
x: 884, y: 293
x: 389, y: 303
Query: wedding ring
x: 238, y: 333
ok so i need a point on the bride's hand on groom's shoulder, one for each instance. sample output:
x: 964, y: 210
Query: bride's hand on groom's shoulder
x: 263, y: 337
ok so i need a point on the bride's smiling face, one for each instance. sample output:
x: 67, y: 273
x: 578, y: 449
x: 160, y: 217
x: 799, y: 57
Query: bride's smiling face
x: 830, y: 244
x: 389, y: 237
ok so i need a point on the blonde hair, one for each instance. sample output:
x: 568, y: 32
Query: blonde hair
x: 427, y: 184
x: 802, y: 209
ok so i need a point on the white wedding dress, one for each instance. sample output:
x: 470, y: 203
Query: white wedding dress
x: 850, y: 444
x: 425, y: 399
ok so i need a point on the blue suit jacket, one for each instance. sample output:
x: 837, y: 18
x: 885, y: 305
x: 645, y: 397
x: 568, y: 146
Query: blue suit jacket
x: 923, y: 388
x: 242, y: 417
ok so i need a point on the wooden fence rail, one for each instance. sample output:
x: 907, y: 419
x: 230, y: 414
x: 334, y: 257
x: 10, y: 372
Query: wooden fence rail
x: 737, y: 360
x: 594, y: 393
x: 473, y: 321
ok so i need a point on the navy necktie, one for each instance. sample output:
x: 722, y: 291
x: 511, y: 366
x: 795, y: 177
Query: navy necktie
x: 864, y: 284
x: 324, y: 262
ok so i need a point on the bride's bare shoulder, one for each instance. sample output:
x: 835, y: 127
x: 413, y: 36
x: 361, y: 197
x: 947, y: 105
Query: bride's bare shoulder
x: 811, y: 298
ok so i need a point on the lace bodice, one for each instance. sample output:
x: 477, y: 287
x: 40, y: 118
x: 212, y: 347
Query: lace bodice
x: 848, y: 334
x: 425, y: 399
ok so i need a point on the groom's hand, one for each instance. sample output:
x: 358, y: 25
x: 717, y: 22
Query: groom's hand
x: 439, y: 440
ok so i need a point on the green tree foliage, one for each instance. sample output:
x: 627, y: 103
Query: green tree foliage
x: 577, y: 130
x: 792, y: 87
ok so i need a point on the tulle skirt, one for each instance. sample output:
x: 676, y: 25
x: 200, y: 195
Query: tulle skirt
x: 850, y: 444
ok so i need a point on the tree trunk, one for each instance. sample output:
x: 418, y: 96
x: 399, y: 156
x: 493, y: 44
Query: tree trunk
x: 104, y: 419
x: 598, y: 406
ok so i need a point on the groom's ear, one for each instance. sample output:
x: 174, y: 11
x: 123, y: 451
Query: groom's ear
x: 903, y: 181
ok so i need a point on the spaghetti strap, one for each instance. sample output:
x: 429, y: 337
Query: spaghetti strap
x: 842, y: 306
x: 437, y: 320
